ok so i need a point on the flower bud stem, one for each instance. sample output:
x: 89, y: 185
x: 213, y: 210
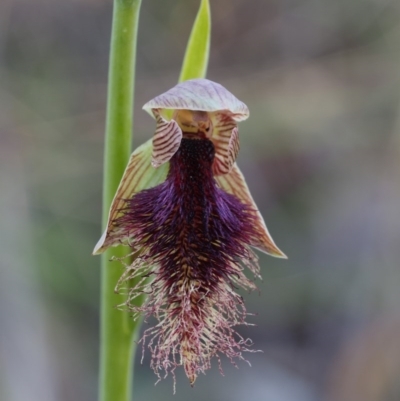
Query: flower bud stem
x: 118, y: 330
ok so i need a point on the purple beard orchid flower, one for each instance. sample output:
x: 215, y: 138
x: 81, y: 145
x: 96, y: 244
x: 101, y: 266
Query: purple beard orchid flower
x: 184, y: 208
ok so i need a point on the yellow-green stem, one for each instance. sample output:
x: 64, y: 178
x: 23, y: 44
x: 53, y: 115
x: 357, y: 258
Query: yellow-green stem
x: 117, y: 330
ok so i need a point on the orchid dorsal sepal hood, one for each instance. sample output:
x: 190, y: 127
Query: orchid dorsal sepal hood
x: 184, y: 207
x: 200, y: 107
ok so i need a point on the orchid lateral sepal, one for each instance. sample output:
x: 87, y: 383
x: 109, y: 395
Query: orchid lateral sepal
x: 139, y: 175
x: 235, y: 184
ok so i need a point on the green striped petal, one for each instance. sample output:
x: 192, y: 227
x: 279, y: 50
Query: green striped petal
x: 139, y: 175
x: 235, y: 184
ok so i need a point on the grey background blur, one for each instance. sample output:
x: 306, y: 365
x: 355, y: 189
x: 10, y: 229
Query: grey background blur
x: 320, y: 153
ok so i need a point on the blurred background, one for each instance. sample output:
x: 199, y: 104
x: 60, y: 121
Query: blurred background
x: 321, y: 153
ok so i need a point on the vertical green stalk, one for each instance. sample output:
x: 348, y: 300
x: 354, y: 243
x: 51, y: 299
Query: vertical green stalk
x: 117, y: 330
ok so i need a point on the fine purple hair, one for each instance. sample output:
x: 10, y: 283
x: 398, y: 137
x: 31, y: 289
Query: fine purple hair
x: 192, y: 241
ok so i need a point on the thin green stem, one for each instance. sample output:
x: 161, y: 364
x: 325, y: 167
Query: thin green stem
x: 117, y: 330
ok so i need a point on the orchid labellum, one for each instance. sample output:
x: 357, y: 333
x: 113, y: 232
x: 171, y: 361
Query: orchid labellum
x: 184, y: 208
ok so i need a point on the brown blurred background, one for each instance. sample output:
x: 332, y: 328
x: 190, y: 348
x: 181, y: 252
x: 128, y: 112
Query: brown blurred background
x: 321, y: 152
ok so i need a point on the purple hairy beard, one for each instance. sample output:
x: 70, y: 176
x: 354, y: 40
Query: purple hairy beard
x: 193, y: 242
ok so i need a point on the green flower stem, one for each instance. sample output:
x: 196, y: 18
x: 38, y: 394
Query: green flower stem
x: 117, y: 330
